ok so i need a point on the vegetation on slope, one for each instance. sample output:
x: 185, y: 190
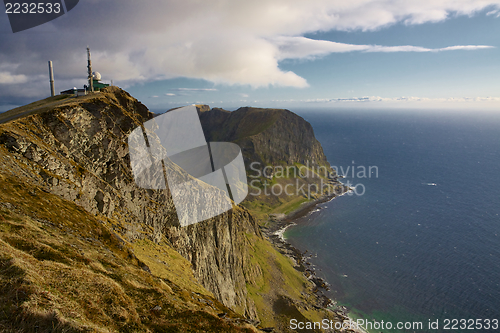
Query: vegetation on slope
x: 131, y: 277
x: 280, y: 288
x: 285, y: 164
x: 64, y: 270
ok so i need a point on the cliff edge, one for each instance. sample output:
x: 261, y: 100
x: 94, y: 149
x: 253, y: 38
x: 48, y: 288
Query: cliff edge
x: 286, y: 166
x: 70, y: 161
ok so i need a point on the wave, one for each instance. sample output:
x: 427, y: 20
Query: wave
x: 280, y: 232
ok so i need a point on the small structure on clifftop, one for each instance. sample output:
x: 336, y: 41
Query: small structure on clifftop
x: 96, y: 84
x: 94, y: 81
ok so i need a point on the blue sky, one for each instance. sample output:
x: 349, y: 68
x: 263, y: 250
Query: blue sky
x: 371, y: 54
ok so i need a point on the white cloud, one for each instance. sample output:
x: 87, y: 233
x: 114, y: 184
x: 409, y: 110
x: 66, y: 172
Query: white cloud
x: 395, y: 103
x: 223, y: 41
x: 194, y: 89
x: 301, y: 47
x: 8, y: 78
x: 464, y: 47
x: 188, y: 91
x: 368, y: 99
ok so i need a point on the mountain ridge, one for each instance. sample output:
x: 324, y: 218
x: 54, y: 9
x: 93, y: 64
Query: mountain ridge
x: 78, y: 152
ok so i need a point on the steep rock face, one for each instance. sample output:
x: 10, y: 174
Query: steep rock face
x: 285, y: 164
x: 63, y: 270
x: 267, y: 136
x: 219, y: 252
x: 79, y: 152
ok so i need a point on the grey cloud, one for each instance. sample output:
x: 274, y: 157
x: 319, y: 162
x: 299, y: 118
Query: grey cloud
x: 221, y: 41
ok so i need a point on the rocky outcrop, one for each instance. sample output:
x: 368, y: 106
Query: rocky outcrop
x: 267, y: 136
x: 285, y: 164
x: 79, y: 152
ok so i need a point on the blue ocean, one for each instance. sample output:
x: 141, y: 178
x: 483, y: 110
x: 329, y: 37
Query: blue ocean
x: 422, y: 243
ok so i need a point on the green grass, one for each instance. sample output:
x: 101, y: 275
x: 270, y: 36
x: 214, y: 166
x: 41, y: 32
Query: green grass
x: 278, y: 277
x: 62, y: 269
x: 265, y: 204
x: 168, y: 264
x: 291, y: 205
x: 41, y: 105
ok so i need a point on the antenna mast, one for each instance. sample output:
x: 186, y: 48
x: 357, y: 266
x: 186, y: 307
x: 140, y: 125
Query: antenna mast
x: 51, y: 76
x: 89, y: 66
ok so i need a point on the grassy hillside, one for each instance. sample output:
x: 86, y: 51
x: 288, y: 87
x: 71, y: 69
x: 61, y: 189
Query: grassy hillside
x: 64, y: 270
x: 110, y: 255
x: 280, y: 152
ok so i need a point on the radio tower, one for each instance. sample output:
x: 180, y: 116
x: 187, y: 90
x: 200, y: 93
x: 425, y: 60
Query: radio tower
x: 89, y: 66
x: 51, y: 76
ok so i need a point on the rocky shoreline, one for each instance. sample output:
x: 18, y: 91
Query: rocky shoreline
x: 274, y: 231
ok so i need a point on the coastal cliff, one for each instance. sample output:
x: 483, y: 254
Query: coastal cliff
x: 267, y: 136
x: 75, y: 153
x: 285, y: 163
